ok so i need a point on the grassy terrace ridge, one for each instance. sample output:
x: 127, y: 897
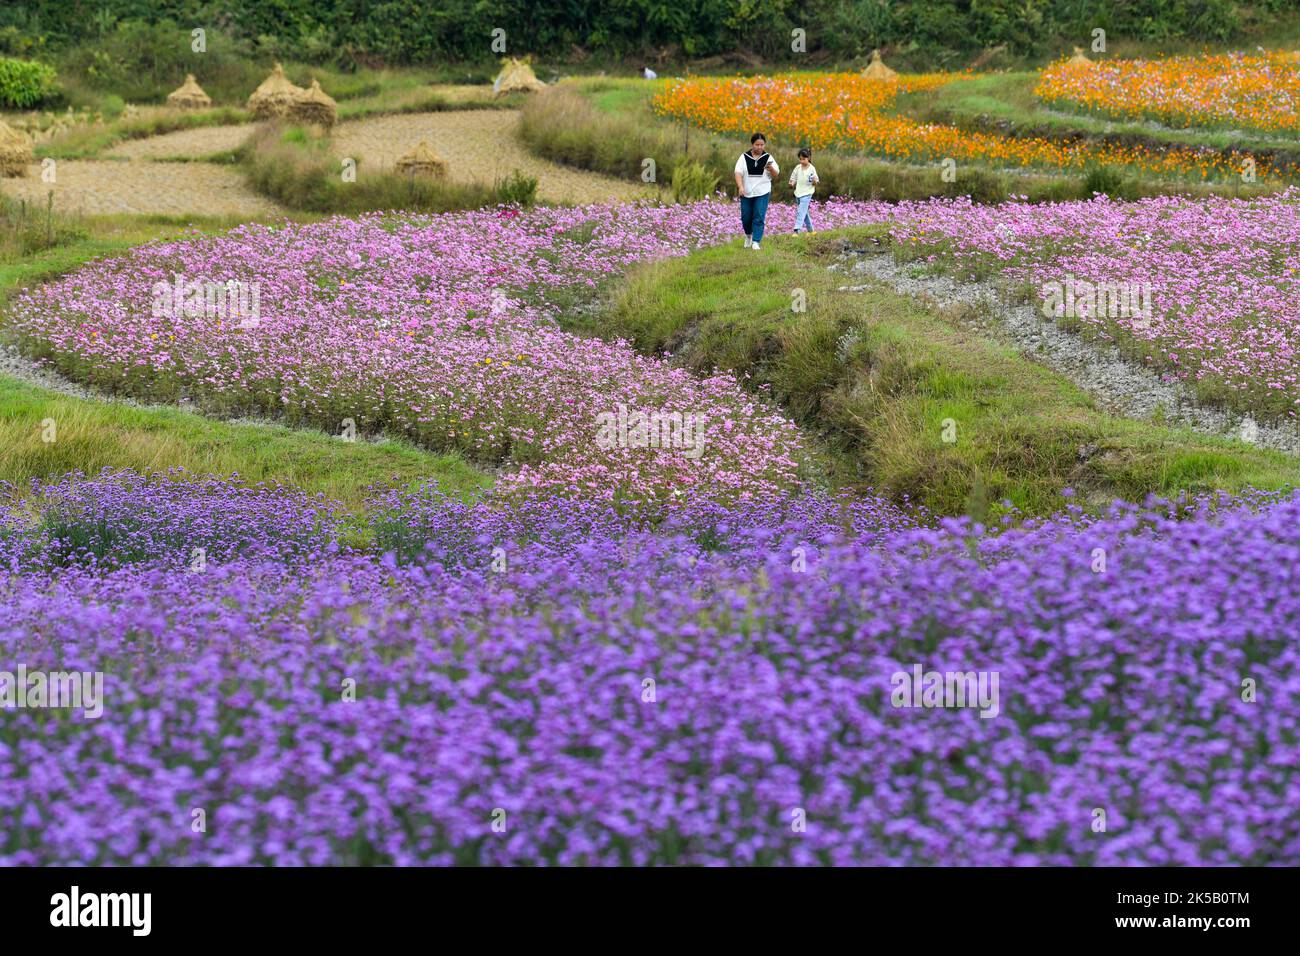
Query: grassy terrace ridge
x: 874, y: 375
x: 93, y: 435
x: 606, y: 125
x: 90, y: 141
x: 96, y: 434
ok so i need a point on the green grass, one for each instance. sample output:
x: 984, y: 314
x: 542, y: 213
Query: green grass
x: 92, y: 435
x: 425, y: 99
x: 875, y: 376
x: 621, y: 96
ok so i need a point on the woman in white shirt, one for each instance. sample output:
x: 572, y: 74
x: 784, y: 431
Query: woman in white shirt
x: 754, y: 172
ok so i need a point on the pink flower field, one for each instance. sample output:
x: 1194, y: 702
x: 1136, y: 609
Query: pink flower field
x: 438, y: 328
x: 444, y: 328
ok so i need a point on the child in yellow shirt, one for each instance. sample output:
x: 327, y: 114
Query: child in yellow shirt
x: 804, y: 180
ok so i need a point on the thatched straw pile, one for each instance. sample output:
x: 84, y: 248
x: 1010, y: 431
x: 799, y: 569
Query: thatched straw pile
x: 422, y: 161
x: 189, y: 95
x: 314, y: 105
x: 15, y: 151
x: 876, y: 69
x: 274, y: 96
x: 1078, y: 59
x: 516, y: 76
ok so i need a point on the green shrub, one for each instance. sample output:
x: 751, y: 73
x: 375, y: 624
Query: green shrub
x: 1104, y: 180
x: 112, y: 106
x: 25, y: 83
x: 452, y: 30
x: 142, y: 62
x: 693, y: 181
x: 518, y: 189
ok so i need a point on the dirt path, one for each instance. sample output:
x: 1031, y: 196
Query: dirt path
x: 477, y: 145
x: 143, y: 188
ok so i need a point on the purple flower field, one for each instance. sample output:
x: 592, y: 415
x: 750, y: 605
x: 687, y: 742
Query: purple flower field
x: 619, y: 656
x: 500, y: 709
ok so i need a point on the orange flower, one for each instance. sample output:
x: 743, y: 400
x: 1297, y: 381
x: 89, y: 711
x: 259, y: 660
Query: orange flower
x: 1230, y: 89
x: 850, y: 111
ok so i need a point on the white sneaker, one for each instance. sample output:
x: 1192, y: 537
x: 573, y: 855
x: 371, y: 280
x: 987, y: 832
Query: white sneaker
x: 749, y: 241
x: 756, y: 247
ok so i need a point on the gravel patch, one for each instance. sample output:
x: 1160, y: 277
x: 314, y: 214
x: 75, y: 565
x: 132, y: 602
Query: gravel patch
x: 1116, y: 384
x: 18, y: 366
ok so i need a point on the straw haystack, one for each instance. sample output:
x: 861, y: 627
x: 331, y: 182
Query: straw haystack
x: 516, y: 76
x: 314, y: 105
x: 189, y: 95
x: 423, y: 161
x: 274, y: 96
x: 1078, y: 59
x: 876, y: 69
x: 15, y: 151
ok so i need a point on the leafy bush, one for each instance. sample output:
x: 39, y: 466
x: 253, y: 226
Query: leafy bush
x: 25, y: 83
x: 693, y: 181
x: 112, y: 106
x: 1104, y: 180
x: 351, y: 34
x: 518, y: 189
x: 141, y: 62
x: 19, y: 43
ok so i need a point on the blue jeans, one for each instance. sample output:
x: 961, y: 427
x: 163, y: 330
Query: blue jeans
x: 801, y: 218
x: 753, y: 214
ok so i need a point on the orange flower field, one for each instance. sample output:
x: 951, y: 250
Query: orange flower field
x: 850, y: 111
x: 1259, y: 92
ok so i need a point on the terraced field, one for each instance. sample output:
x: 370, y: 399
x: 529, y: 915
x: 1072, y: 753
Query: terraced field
x: 142, y: 176
x: 478, y: 145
